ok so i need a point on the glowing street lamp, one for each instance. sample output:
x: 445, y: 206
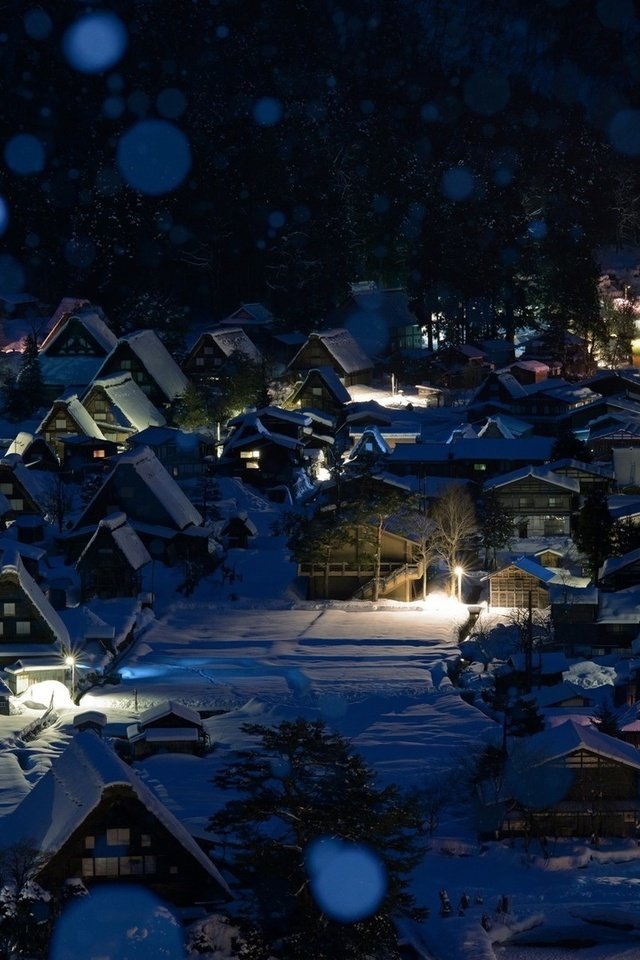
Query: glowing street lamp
x: 70, y: 661
x: 458, y: 572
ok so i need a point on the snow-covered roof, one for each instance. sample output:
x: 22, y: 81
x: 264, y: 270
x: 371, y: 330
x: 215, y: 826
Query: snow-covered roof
x: 563, y: 593
x: 554, y: 695
x: 540, y: 473
x: 344, y: 349
x: 132, y: 406
x: 78, y: 413
x: 13, y: 569
x: 168, y: 708
x: 623, y: 606
x: 613, y: 564
x: 590, y: 469
x: 69, y: 370
x: 567, y: 737
x: 156, y: 360
x: 527, y: 565
x: 330, y: 379
x: 92, y: 320
x: 623, y: 505
x: 528, y: 449
x: 72, y: 789
x: 147, y: 466
x: 229, y: 340
x: 254, y: 313
x: 125, y: 538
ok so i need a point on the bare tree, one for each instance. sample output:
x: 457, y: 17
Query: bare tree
x: 57, y: 502
x: 454, y: 519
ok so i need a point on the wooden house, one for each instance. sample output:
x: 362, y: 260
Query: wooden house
x: 618, y: 621
x: 215, y: 347
x: 320, y: 389
x: 588, y: 475
x: 111, y: 563
x: 337, y: 349
x: 168, y: 727
x: 573, y: 781
x: 468, y: 458
x: 521, y: 583
x: 157, y: 509
x: 570, y: 355
x: 237, y: 531
x: 25, y: 490
x: 120, y: 407
x: 266, y: 446
x: 93, y: 819
x: 75, y: 347
x: 143, y: 355
x: 549, y: 406
x: 184, y: 453
x: 575, y: 613
x: 82, y: 455
x: 530, y: 371
x: 541, y: 501
x: 385, y: 314
x: 350, y: 570
x: 67, y: 417
x: 29, y: 626
x: 257, y: 321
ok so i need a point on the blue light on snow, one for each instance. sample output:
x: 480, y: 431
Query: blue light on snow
x: 267, y: 111
x: 348, y: 881
x: 24, y: 154
x: 95, y: 42
x: 115, y: 922
x: 154, y: 157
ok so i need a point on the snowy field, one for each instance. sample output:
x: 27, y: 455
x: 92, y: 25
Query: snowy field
x: 251, y: 650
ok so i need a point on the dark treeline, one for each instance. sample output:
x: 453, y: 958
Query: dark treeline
x: 476, y: 151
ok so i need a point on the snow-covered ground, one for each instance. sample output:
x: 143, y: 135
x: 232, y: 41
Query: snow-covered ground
x: 250, y: 647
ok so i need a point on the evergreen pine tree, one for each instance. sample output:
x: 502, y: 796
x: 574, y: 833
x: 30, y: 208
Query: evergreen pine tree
x: 594, y: 530
x: 301, y: 789
x: 29, y: 383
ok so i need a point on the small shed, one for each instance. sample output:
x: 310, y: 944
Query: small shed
x: 29, y: 670
x: 90, y: 720
x: 169, y: 727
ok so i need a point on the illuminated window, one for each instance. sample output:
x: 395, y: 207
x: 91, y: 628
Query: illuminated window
x: 99, y: 454
x: 9, y: 609
x: 118, y: 837
x: 61, y: 423
x: 131, y: 866
x: 17, y: 503
x: 249, y: 454
x: 145, y: 840
x: 6, y: 488
x: 105, y: 866
x: 23, y: 628
x: 208, y: 351
x: 479, y: 466
x: 89, y: 843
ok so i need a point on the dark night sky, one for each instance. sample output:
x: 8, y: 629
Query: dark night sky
x: 219, y: 151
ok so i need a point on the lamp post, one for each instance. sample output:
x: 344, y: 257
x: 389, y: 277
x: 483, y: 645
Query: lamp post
x: 70, y: 661
x: 458, y: 572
